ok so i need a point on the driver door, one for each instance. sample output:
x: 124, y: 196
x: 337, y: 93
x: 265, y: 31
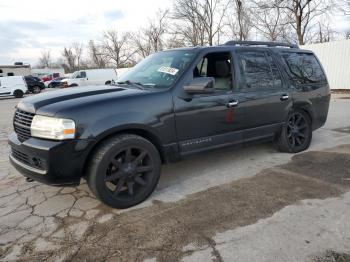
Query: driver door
x: 82, y: 79
x: 207, y: 120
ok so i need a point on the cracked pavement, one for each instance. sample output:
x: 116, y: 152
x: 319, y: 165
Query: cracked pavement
x: 249, y: 204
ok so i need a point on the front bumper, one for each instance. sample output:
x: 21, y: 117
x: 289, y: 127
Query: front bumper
x: 49, y: 162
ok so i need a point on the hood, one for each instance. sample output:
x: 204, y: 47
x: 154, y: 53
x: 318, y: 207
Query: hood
x: 50, y: 102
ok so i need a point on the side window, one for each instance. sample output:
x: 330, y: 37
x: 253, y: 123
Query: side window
x: 10, y: 74
x: 277, y: 79
x: 82, y: 74
x: 201, y: 69
x: 218, y: 66
x: 304, y: 68
x: 256, y: 70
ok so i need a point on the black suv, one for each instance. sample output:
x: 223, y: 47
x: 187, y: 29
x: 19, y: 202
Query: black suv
x: 172, y: 104
x: 35, y: 85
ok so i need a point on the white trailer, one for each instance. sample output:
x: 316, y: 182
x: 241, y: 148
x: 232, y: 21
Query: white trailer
x: 15, y: 70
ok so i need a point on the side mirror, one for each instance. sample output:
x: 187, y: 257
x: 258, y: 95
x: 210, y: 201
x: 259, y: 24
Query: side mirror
x: 200, y: 85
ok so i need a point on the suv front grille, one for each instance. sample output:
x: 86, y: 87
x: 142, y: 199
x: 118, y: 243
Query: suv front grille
x: 21, y: 123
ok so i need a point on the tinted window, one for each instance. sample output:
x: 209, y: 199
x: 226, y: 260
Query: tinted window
x: 82, y: 74
x: 277, y: 79
x: 304, y: 68
x: 10, y: 74
x: 258, y: 70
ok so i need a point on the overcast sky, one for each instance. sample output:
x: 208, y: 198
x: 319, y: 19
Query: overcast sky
x: 27, y: 27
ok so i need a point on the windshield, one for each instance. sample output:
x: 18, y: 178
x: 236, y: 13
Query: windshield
x: 75, y: 74
x: 159, y: 70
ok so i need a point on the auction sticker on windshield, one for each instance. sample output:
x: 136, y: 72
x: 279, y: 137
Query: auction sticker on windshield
x: 168, y: 70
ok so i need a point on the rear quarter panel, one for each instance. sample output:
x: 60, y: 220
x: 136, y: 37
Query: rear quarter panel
x: 314, y: 98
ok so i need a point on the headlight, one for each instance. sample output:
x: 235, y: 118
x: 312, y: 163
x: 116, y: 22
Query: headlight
x: 52, y: 128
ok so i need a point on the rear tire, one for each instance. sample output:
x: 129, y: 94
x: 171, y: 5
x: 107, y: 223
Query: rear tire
x: 296, y: 133
x: 36, y: 90
x: 18, y: 93
x: 124, y: 170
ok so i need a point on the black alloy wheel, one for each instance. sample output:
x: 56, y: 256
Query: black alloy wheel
x: 128, y: 173
x: 124, y: 170
x: 297, y: 130
x: 296, y: 134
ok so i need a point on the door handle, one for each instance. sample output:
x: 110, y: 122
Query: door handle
x: 284, y: 97
x: 232, y: 103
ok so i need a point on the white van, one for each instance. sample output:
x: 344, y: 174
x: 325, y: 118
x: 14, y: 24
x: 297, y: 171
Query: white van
x: 91, y: 77
x: 13, y: 86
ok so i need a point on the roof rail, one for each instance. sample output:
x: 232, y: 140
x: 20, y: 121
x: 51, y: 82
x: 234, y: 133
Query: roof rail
x: 271, y: 44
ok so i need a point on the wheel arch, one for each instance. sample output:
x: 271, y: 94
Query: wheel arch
x: 142, y: 132
x: 307, y: 108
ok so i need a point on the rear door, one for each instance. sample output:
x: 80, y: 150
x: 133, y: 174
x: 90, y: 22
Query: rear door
x: 83, y: 78
x: 266, y: 96
x: 309, y: 82
x: 5, y: 87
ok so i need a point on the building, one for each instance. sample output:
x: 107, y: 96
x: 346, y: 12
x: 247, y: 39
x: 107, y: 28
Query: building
x: 335, y: 59
x: 18, y: 69
x: 40, y: 72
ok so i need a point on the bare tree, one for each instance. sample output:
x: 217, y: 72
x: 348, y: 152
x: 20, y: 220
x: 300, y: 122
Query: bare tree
x: 69, y: 58
x: 151, y: 39
x: 45, y: 59
x: 175, y: 41
x: 157, y: 30
x: 73, y: 57
x: 342, y: 5
x: 269, y: 20
x: 325, y: 33
x: 78, y: 51
x: 243, y: 19
x: 190, y: 26
x: 202, y: 19
x: 96, y: 55
x: 303, y: 14
x: 141, y: 44
x: 116, y: 48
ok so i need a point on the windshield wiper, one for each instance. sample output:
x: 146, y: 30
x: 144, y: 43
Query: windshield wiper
x: 128, y: 82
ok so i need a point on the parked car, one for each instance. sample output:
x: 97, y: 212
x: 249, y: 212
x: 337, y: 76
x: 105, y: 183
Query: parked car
x: 50, y: 77
x: 35, y: 84
x: 91, y: 77
x: 13, y: 86
x: 57, y: 82
x: 172, y: 104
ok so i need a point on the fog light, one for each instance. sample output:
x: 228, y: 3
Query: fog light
x: 36, y: 162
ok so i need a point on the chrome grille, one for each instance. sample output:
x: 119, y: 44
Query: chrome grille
x: 21, y: 123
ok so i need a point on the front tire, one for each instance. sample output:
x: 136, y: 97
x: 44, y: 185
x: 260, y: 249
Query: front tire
x: 296, y: 134
x: 18, y: 93
x: 124, y: 170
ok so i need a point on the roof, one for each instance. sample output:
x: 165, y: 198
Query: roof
x: 14, y: 66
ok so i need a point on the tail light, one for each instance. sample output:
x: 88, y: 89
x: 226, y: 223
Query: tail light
x: 25, y: 82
